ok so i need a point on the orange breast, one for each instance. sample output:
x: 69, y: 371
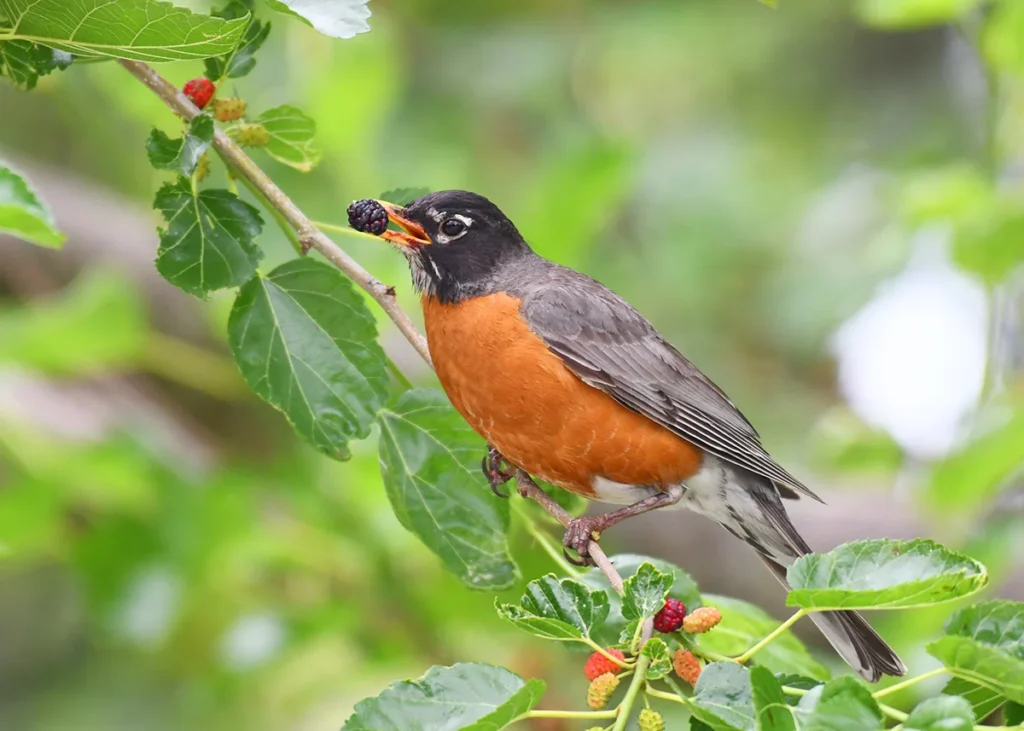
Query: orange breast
x: 522, y: 399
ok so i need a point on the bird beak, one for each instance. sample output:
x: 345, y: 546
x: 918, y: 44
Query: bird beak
x: 412, y: 235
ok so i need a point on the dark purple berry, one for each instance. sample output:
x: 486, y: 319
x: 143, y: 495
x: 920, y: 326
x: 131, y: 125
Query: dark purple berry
x: 368, y: 216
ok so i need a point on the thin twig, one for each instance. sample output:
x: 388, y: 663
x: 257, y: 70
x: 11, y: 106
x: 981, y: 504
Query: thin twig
x: 310, y: 235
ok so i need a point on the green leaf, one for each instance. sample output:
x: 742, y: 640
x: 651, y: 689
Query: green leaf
x: 291, y: 137
x: 893, y: 14
x: 773, y: 713
x: 1001, y: 37
x: 983, y: 701
x: 23, y: 62
x: 334, y: 18
x: 743, y: 625
x: 943, y: 713
x: 992, y: 245
x: 949, y: 193
x: 643, y: 593
x: 430, y: 461
x: 657, y: 652
x: 984, y: 643
x: 209, y: 242
x: 563, y: 610
x: 22, y: 214
x: 306, y: 343
x: 800, y: 682
x: 403, y: 196
x: 463, y: 697
x: 1014, y: 714
x: 883, y: 574
x: 843, y: 704
x: 181, y: 155
x: 142, y: 30
x: 723, y: 698
x: 242, y: 59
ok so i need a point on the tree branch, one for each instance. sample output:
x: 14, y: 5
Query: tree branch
x: 310, y: 236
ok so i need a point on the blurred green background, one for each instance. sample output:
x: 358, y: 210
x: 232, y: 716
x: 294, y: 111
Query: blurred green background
x: 823, y: 213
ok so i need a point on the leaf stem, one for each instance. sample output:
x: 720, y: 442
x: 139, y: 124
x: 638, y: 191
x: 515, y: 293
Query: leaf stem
x: 402, y: 379
x: 597, y: 648
x: 345, y: 230
x: 545, y: 543
x: 626, y: 707
x: 893, y: 713
x: 909, y: 682
x: 773, y: 635
x: 568, y: 714
x: 667, y: 696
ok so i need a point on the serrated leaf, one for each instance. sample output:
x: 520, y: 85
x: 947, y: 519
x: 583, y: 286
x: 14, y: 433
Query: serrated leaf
x: 557, y: 610
x: 660, y: 659
x: 291, y: 137
x: 430, y: 461
x: 142, y: 30
x: 209, y: 242
x: 843, y: 704
x: 773, y: 713
x: 463, y: 697
x: 883, y: 574
x: 241, y: 60
x: 23, y: 62
x: 334, y: 18
x: 22, y: 214
x: 722, y: 698
x: 643, y: 593
x: 893, y: 14
x: 182, y: 154
x: 403, y: 196
x: 943, y: 713
x: 743, y: 625
x: 983, y: 701
x: 984, y: 643
x: 306, y: 343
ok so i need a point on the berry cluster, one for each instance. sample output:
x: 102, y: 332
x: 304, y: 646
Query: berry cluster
x: 368, y: 216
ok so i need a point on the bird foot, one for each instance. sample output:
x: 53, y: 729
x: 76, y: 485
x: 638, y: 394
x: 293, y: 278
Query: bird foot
x: 578, y: 535
x: 497, y: 470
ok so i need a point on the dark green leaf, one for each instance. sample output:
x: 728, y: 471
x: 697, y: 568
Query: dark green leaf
x: 1013, y: 714
x: 743, y: 625
x: 1001, y: 37
x: 773, y: 713
x: 557, y: 610
x: 22, y: 214
x: 430, y: 460
x: 984, y: 643
x: 291, y: 137
x: 209, y: 240
x: 335, y: 18
x: 843, y: 704
x: 913, y: 13
x: 883, y: 574
x: 306, y: 343
x: 983, y: 701
x: 643, y: 593
x: 722, y: 698
x: 182, y: 154
x: 242, y: 60
x: 660, y: 658
x: 143, y: 30
x: 943, y: 713
x: 403, y: 196
x: 463, y: 697
x: 23, y: 62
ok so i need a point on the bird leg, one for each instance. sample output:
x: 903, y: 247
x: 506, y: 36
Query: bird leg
x: 497, y: 470
x: 581, y: 531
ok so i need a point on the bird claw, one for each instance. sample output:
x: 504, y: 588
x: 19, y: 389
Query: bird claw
x: 578, y: 535
x: 497, y: 471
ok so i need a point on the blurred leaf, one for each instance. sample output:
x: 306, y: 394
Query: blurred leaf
x: 743, y: 625
x: 992, y: 244
x: 983, y: 701
x: 643, y: 593
x: 242, y: 59
x: 970, y: 478
x: 722, y: 698
x: 142, y: 30
x: 557, y: 610
x: 22, y: 214
x: 98, y: 322
x: 985, y: 643
x: 31, y: 513
x: 953, y: 192
x: 181, y: 155
x: 801, y: 682
x: 1014, y: 714
x: 843, y: 704
x: 335, y: 18
x: 773, y: 713
x: 1001, y: 37
x: 23, y: 62
x: 306, y: 343
x: 944, y: 713
x: 430, y: 461
x: 291, y: 137
x: 882, y: 574
x: 463, y: 697
x: 894, y: 14
x: 403, y: 196
x: 209, y: 242
x: 844, y: 442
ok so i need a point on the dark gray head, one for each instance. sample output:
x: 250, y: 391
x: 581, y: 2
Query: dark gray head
x: 455, y: 242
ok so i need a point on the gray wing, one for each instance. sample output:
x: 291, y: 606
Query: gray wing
x: 611, y: 346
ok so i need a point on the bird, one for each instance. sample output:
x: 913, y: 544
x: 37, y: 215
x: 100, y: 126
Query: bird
x: 567, y: 381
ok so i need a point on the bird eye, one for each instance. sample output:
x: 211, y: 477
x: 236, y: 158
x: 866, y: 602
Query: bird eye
x: 452, y: 227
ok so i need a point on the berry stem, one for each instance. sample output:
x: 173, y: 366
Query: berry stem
x: 597, y: 648
x: 568, y: 714
x: 909, y: 682
x: 654, y: 693
x: 626, y: 707
x: 773, y: 635
x: 346, y: 230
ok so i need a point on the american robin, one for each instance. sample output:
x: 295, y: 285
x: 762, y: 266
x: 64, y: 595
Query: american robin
x: 571, y: 383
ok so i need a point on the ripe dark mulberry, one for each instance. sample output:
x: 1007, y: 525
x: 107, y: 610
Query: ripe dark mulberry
x: 670, y: 618
x: 200, y: 91
x: 368, y: 216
